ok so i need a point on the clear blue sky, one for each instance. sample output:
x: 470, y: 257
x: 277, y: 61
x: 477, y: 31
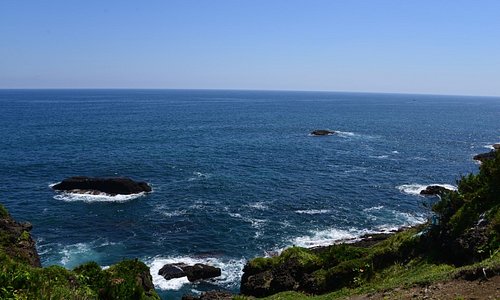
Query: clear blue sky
x: 424, y: 46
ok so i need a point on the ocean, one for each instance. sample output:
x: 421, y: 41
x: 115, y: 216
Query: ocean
x: 235, y: 174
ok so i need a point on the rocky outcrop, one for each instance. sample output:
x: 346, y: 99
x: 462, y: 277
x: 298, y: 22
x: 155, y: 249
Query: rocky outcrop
x: 22, y: 277
x: 322, y: 132
x: 434, y: 190
x: 210, y: 295
x: 193, y: 273
x: 16, y: 240
x: 94, y: 185
x: 488, y: 155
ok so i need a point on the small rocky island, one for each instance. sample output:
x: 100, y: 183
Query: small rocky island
x: 97, y: 185
x: 322, y: 132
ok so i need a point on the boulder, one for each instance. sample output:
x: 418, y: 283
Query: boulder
x: 496, y: 146
x: 95, y: 185
x: 434, y: 190
x: 321, y: 132
x: 201, y: 271
x: 171, y: 271
x: 193, y: 273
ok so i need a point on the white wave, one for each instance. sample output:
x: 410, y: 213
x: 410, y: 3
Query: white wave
x: 231, y: 270
x: 200, y: 175
x: 374, y: 208
x: 379, y: 156
x: 327, y: 237
x: 258, y: 205
x: 408, y: 219
x: 313, y: 211
x: 415, y: 188
x: 102, y: 197
x: 174, y: 213
x: 345, y: 133
x: 235, y: 215
x: 395, y: 152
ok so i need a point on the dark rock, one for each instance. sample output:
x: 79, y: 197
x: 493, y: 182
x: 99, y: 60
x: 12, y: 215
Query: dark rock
x: 201, y: 271
x: 496, y: 146
x: 16, y: 240
x: 321, y: 132
x: 171, y: 271
x: 434, y: 190
x: 193, y: 273
x: 210, y: 295
x: 112, y: 186
x: 485, y: 156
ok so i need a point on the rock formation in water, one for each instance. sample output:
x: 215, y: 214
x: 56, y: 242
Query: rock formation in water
x: 321, y: 132
x: 434, y: 190
x: 193, y: 273
x: 95, y: 185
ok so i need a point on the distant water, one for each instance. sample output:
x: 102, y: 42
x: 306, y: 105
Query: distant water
x: 235, y: 173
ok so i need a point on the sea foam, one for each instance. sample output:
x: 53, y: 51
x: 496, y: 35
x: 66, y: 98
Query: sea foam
x: 90, y: 198
x: 415, y: 188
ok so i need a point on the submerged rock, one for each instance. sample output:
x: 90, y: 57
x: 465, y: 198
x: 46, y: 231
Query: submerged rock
x: 321, y: 132
x: 193, y: 273
x: 434, y: 190
x: 96, y: 185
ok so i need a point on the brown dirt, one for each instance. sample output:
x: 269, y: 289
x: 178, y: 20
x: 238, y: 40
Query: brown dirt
x: 455, y: 289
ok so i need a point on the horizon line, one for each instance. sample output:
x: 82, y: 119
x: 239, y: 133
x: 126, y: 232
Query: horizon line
x: 248, y: 90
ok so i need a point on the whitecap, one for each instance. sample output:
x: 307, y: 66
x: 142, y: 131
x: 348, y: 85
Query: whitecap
x: 90, y: 198
x: 395, y: 152
x: 415, y: 188
x: 379, y: 156
x: 345, y: 133
x: 235, y: 215
x: 373, y: 208
x: 327, y: 237
x: 258, y: 205
x: 232, y: 269
x: 199, y: 175
x: 313, y: 211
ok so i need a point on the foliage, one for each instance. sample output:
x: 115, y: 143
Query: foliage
x: 3, y: 211
x: 128, y: 279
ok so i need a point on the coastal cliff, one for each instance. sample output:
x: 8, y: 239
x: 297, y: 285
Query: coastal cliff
x: 22, y: 277
x: 461, y: 242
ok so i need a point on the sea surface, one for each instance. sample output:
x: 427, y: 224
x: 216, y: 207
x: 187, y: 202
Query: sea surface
x: 235, y: 174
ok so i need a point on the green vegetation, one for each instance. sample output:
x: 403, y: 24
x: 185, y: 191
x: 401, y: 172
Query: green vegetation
x: 465, y: 239
x: 3, y: 212
x: 20, y: 278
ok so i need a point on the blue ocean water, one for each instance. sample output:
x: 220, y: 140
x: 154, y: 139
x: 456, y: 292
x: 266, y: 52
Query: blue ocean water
x: 235, y: 174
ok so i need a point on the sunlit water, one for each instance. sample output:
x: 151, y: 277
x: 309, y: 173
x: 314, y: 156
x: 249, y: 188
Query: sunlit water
x: 235, y: 174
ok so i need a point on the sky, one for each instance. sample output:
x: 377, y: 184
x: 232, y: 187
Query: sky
x: 393, y: 46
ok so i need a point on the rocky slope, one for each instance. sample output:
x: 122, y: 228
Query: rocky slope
x: 22, y: 277
x: 466, y: 235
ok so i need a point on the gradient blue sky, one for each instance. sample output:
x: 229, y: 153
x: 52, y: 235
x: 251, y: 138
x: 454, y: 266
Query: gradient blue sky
x: 435, y: 46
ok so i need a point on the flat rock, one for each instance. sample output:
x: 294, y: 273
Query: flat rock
x: 96, y: 185
x: 321, y: 132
